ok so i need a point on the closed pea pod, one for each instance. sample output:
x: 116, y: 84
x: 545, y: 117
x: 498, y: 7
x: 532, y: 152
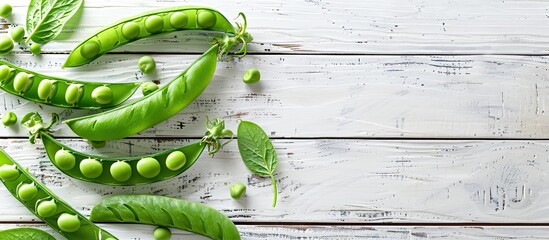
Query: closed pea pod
x: 125, y: 170
x: 47, y: 206
x: 165, y: 212
x: 61, y: 92
x: 152, y: 23
x: 152, y: 109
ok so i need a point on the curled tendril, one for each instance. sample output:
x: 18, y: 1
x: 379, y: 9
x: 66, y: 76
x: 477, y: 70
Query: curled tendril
x: 216, y: 130
x: 34, y: 123
x: 227, y: 42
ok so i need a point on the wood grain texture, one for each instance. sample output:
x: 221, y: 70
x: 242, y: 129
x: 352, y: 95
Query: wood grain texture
x: 329, y: 181
x: 337, y: 96
x: 332, y: 26
x: 262, y: 232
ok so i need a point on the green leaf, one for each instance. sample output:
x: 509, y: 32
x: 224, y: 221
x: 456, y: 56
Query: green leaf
x: 257, y: 152
x: 25, y: 233
x: 46, y: 18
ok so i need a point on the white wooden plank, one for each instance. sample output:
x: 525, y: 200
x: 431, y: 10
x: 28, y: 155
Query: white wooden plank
x: 312, y: 232
x: 334, y: 26
x: 352, y: 181
x: 339, y: 96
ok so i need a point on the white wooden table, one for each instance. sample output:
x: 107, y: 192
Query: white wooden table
x: 402, y: 119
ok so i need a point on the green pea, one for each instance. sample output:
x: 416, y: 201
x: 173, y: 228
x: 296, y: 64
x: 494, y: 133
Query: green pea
x: 238, y: 190
x: 5, y: 10
x: 17, y: 33
x: 68, y: 222
x: 146, y: 64
x: 91, y: 168
x: 47, y: 89
x: 46, y: 208
x: 205, y: 19
x: 74, y: 93
x: 102, y: 95
x: 6, y: 45
x: 121, y: 171
x: 179, y: 20
x: 97, y: 144
x: 148, y: 167
x: 148, y: 88
x: 35, y: 49
x: 64, y: 159
x: 130, y: 30
x: 9, y: 119
x: 251, y: 76
x: 90, y: 49
x: 22, y: 82
x: 162, y: 233
x: 27, y: 191
x: 9, y: 172
x: 176, y: 160
x: 6, y: 73
x: 154, y: 24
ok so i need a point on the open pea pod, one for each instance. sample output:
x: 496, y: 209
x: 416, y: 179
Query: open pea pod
x: 165, y: 212
x: 153, y: 23
x: 124, y: 170
x: 45, y: 204
x: 62, y: 92
x: 129, y: 119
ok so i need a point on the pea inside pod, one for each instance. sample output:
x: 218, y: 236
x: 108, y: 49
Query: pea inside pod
x: 61, y: 92
x: 149, y: 24
x: 46, y: 205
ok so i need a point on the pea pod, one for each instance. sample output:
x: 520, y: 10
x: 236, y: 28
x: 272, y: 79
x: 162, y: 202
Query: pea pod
x: 152, y: 109
x: 25, y: 233
x: 61, y: 92
x: 153, y: 23
x: 124, y: 170
x: 99, y: 169
x: 40, y: 200
x: 165, y: 212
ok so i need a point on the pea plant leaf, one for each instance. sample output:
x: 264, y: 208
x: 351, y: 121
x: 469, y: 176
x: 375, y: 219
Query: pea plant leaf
x: 46, y: 18
x: 25, y: 233
x: 257, y: 152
